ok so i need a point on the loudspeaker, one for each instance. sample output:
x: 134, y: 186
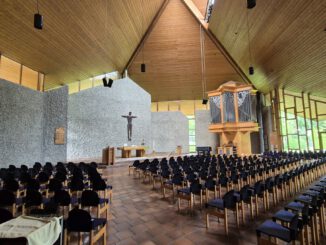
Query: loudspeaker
x: 110, y: 83
x: 105, y: 82
x: 251, y: 4
x: 143, y: 68
x: 205, y: 101
x: 38, y: 21
x: 251, y: 70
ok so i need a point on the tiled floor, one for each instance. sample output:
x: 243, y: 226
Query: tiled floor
x: 139, y: 215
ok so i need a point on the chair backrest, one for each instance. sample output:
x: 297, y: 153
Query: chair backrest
x: 55, y: 185
x: 90, y: 198
x: 7, y: 198
x: 33, y: 198
x: 5, y: 215
x: 11, y: 185
x: 43, y: 177
x: 99, y: 184
x: 33, y: 184
x: 195, y: 187
x: 244, y: 193
x: 76, y: 184
x: 62, y: 197
x: 229, y: 199
x: 79, y: 221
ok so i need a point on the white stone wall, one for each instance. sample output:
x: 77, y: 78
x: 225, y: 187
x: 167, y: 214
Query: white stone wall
x: 203, y: 136
x: 94, y: 118
x: 170, y: 129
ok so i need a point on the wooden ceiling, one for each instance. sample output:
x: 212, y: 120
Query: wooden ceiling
x: 288, y: 42
x: 173, y: 61
x: 76, y: 42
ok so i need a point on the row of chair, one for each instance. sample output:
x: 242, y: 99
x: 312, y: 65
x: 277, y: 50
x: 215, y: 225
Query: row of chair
x: 301, y: 219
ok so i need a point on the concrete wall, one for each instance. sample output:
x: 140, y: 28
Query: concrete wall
x: 21, y: 124
x: 55, y: 116
x: 28, y: 120
x: 203, y: 136
x: 170, y: 129
x: 94, y: 118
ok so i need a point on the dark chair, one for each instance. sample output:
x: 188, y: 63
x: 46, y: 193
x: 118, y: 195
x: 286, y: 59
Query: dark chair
x: 189, y: 194
x: 277, y: 231
x: 33, y: 199
x: 91, y: 199
x: 81, y: 221
x: 63, y: 199
x: 8, y: 199
x: 219, y: 208
x: 5, y: 215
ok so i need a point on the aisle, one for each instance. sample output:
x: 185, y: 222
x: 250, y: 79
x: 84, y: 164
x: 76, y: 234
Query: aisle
x: 139, y: 215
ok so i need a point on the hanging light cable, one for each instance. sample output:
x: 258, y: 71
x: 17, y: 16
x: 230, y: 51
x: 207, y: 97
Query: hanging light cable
x: 251, y: 68
x: 143, y: 65
x: 203, y: 63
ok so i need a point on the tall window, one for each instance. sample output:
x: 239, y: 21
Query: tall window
x: 192, y: 134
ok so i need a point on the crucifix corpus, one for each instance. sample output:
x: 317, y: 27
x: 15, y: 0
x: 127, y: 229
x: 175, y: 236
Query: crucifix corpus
x: 129, y: 125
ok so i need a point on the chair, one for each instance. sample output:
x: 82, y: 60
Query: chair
x: 5, y: 215
x: 63, y: 199
x: 33, y: 199
x: 8, y: 198
x: 81, y: 221
x: 277, y: 231
x: 219, y: 208
x: 173, y: 184
x: 91, y: 199
x: 189, y: 194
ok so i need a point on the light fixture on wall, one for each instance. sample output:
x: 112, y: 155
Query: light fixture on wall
x: 38, y: 19
x: 250, y: 5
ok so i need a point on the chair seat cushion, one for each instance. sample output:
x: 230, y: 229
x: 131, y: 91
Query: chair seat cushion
x: 98, y: 222
x: 216, y: 203
x: 296, y: 206
x: 273, y: 229
x: 184, y: 191
x: 104, y: 200
x: 284, y: 215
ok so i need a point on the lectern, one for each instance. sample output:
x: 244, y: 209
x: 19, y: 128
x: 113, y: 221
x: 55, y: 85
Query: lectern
x: 233, y: 116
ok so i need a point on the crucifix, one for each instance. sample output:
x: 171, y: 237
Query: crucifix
x: 129, y: 125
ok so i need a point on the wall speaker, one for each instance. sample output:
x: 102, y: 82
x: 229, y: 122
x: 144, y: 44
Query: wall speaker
x: 38, y: 21
x: 251, y: 4
x: 205, y: 101
x: 143, y: 68
x: 105, y: 82
x: 251, y: 70
x: 110, y: 83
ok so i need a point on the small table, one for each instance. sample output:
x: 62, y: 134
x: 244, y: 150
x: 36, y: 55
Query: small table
x: 126, y: 151
x: 34, y: 230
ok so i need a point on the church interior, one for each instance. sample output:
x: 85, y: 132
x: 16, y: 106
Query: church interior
x: 154, y: 122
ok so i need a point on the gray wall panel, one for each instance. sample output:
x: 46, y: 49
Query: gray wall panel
x: 203, y: 136
x: 55, y: 116
x: 21, y: 120
x: 94, y: 118
x: 170, y: 129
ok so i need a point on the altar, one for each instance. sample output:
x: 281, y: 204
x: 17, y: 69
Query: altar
x: 126, y: 151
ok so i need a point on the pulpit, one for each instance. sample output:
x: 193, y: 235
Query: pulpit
x: 233, y: 116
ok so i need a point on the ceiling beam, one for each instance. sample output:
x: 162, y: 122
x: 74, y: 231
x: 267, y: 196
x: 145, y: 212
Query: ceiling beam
x: 201, y: 20
x: 146, y: 35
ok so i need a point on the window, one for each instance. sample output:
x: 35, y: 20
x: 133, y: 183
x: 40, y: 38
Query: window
x: 192, y: 134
